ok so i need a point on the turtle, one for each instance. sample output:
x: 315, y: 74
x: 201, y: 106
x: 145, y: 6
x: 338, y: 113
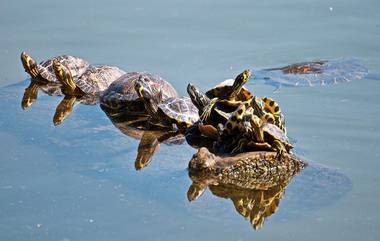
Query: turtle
x: 121, y: 98
x: 254, y: 181
x: 44, y: 72
x: 85, y: 89
x: 232, y: 89
x: 313, y: 73
x: 173, y: 113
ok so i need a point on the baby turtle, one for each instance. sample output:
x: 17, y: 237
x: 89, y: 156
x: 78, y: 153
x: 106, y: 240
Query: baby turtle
x: 232, y: 89
x: 44, y: 71
x: 121, y: 97
x: 173, y: 113
x: 85, y: 89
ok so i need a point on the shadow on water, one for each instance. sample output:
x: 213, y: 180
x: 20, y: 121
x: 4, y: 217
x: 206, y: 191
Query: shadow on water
x: 90, y: 145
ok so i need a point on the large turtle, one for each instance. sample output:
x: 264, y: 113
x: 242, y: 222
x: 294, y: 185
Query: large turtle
x: 254, y: 181
x: 86, y: 88
x: 313, y: 73
x: 44, y: 71
x: 120, y: 97
x: 173, y: 113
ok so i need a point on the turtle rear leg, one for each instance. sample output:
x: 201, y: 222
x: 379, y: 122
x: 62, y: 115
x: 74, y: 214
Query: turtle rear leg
x: 30, y: 65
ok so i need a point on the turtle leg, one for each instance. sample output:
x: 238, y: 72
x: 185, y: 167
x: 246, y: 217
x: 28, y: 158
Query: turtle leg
x: 280, y: 148
x: 30, y: 65
x: 64, y: 109
x: 64, y: 76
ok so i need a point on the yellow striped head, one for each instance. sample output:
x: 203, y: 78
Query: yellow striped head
x: 30, y: 65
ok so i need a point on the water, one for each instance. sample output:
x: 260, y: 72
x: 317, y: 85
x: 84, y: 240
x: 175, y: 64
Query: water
x: 77, y: 181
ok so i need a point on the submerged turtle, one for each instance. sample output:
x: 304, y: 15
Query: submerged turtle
x: 44, y: 71
x: 85, y: 89
x: 120, y: 97
x: 172, y: 113
x: 314, y: 73
x: 254, y: 181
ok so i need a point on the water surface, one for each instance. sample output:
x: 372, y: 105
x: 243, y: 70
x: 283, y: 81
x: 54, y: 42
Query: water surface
x: 77, y: 181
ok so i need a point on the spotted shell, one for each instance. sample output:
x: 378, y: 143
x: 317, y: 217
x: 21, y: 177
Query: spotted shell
x: 75, y: 65
x: 181, y: 110
x: 121, y: 93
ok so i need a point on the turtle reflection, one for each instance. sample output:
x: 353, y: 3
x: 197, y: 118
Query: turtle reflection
x: 254, y: 181
x: 150, y: 140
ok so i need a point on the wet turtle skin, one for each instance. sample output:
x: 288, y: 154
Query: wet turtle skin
x: 44, y: 71
x: 121, y: 96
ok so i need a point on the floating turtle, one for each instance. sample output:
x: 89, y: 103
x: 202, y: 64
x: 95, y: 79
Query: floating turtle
x: 121, y: 98
x: 173, y: 113
x: 85, y: 89
x: 254, y: 181
x: 313, y: 73
x: 44, y: 71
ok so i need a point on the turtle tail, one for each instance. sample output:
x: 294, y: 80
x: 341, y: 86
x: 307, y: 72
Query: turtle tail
x: 30, y: 65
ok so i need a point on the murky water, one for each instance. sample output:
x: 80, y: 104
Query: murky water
x: 77, y: 181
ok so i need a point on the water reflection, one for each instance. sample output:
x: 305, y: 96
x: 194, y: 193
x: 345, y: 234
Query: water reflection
x: 254, y: 181
x: 150, y: 140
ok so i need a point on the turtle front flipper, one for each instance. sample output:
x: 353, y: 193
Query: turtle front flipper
x: 30, y: 95
x: 64, y: 76
x: 280, y: 148
x: 30, y: 65
x: 64, y: 109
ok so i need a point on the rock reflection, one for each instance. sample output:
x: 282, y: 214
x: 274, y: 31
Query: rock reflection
x: 255, y: 181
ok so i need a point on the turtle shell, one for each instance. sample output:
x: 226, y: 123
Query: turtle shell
x: 224, y: 87
x: 180, y: 110
x: 75, y: 65
x: 272, y: 132
x: 97, y: 78
x: 121, y: 94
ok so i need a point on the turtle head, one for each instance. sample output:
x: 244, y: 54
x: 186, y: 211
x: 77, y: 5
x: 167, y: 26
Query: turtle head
x: 240, y: 81
x: 147, y: 90
x: 30, y: 65
x: 202, y: 162
x: 64, y: 76
x: 64, y: 109
x: 199, y: 99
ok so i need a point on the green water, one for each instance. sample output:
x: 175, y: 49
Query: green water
x: 77, y: 181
